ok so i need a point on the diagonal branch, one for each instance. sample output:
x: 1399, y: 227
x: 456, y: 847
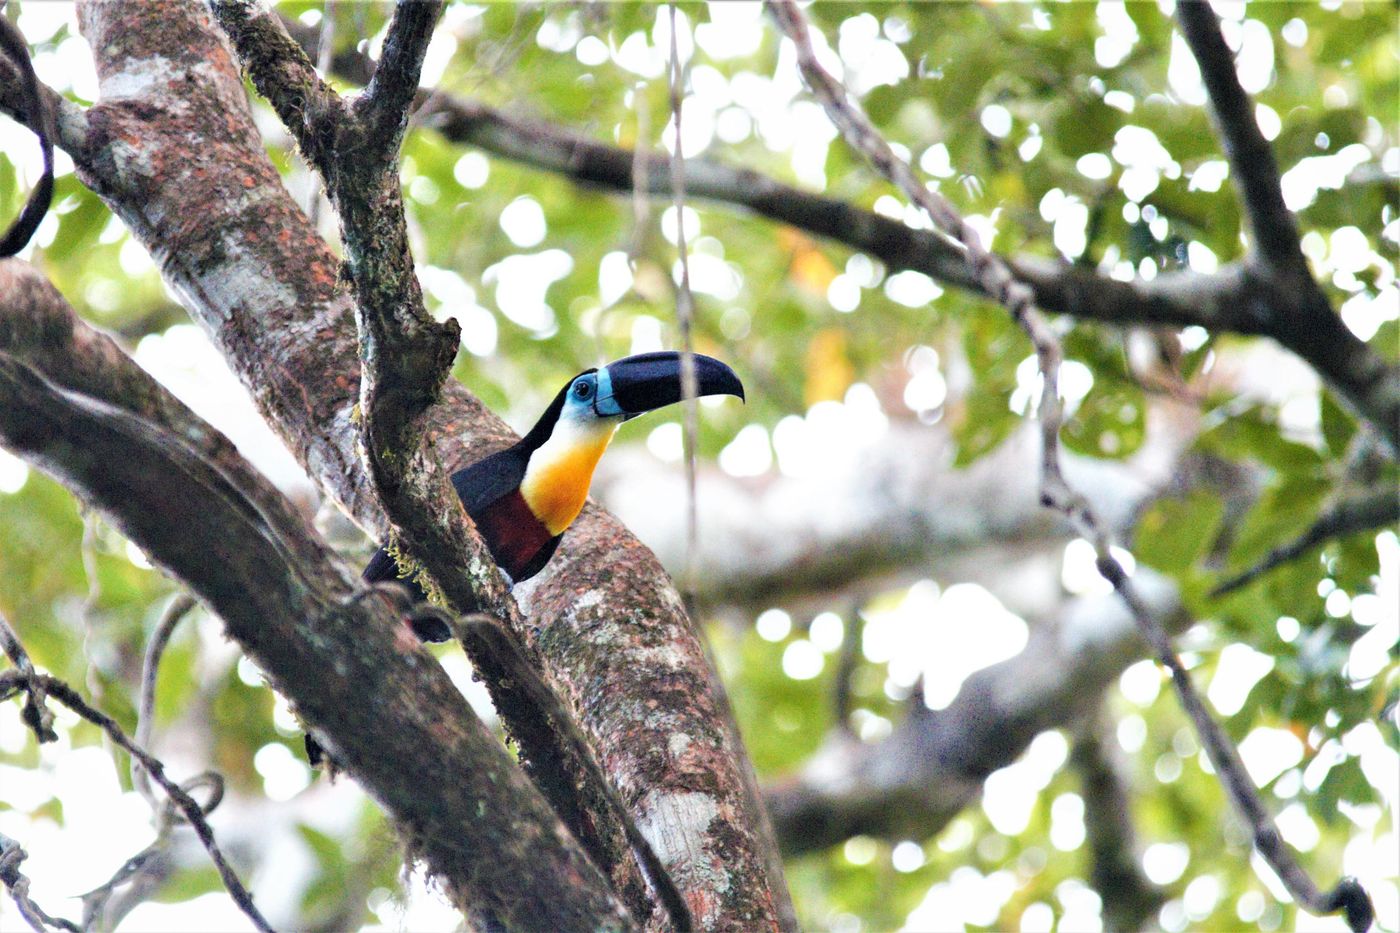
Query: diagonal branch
x: 384, y: 106
x: 1347, y: 896
x: 1234, y: 299
x: 182, y: 493
x: 1368, y: 512
x: 1231, y: 300
x: 1253, y: 168
x: 1288, y: 301
x: 407, y: 357
x: 1055, y: 492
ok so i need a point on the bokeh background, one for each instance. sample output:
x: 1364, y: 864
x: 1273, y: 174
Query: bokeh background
x: 1074, y: 130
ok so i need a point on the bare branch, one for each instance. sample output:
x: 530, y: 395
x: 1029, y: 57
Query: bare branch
x: 34, y: 684
x: 283, y: 74
x: 36, y: 713
x: 1017, y: 297
x: 384, y: 106
x: 11, y: 855
x: 1369, y: 512
x: 1253, y: 168
x: 1348, y: 896
x: 909, y: 785
x: 150, y: 672
x: 1290, y: 304
x: 288, y: 601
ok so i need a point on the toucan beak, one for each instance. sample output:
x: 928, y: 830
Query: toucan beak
x: 638, y: 384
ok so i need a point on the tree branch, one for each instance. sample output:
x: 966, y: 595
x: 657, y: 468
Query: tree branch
x: 189, y: 808
x: 1055, y: 492
x: 911, y: 784
x: 32, y: 98
x: 504, y: 660
x: 603, y: 615
x: 1347, y: 896
x: 12, y: 854
x: 407, y: 356
x: 39, y: 686
x: 1292, y: 306
x: 384, y: 106
x: 1233, y: 299
x: 150, y: 672
x: 1252, y: 166
x: 1129, y: 898
x: 1368, y: 512
x: 350, y: 669
x: 36, y: 714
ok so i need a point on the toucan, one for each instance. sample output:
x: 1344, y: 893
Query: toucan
x: 523, y: 498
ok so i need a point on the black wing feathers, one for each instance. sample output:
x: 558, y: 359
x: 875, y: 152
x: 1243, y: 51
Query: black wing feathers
x: 478, y: 486
x: 487, y: 480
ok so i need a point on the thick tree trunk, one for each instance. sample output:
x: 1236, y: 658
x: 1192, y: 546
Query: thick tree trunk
x: 172, y: 149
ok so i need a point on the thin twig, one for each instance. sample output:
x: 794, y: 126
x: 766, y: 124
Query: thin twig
x: 685, y: 313
x: 997, y: 280
x: 1378, y: 509
x: 1348, y: 895
x: 36, y: 714
x: 188, y: 807
x: 150, y: 671
x: 11, y: 855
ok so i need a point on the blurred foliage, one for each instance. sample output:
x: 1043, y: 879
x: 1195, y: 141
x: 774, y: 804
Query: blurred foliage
x: 1004, y: 106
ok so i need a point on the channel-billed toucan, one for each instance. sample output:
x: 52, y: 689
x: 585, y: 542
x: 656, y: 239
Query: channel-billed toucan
x: 524, y: 497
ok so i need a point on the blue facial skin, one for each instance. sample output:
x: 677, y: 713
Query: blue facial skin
x: 590, y: 399
x: 597, y: 387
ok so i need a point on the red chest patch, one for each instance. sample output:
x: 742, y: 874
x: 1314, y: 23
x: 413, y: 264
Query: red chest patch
x: 512, y: 532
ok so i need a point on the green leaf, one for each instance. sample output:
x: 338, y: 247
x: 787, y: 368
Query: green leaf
x: 188, y: 884
x: 1338, y: 426
x: 1175, y: 533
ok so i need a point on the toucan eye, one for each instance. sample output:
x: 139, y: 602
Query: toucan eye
x: 583, y: 389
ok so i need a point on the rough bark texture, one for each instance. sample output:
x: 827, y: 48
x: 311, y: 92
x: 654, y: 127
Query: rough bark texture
x: 173, y: 151
x: 181, y: 492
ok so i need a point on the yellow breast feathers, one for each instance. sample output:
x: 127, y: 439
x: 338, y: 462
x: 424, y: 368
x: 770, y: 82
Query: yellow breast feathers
x: 560, y: 471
